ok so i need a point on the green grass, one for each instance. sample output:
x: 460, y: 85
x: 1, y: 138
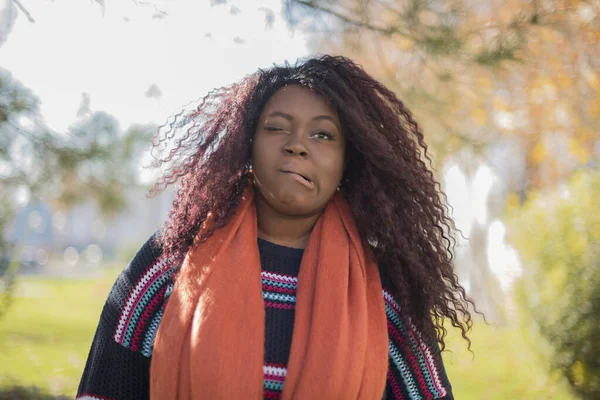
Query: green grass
x: 503, y: 365
x: 46, y: 334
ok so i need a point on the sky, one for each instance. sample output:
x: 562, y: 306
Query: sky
x: 73, y: 48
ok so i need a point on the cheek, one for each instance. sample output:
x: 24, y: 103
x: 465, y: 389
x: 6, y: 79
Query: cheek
x: 259, y: 154
x: 334, y: 170
x: 263, y: 161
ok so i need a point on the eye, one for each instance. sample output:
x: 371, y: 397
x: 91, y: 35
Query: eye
x: 273, y: 129
x: 323, y: 135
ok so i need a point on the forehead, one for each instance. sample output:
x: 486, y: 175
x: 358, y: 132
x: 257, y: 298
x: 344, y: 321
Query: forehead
x: 295, y: 99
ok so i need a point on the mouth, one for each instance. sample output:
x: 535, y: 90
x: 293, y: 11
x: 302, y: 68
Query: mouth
x: 303, y: 179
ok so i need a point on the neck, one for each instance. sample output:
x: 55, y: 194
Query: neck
x: 284, y: 230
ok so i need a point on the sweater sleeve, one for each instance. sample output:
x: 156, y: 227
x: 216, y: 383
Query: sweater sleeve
x: 416, y: 369
x: 118, y: 364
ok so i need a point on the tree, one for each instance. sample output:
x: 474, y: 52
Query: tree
x: 557, y: 233
x: 473, y: 72
x: 93, y: 160
x: 510, y: 84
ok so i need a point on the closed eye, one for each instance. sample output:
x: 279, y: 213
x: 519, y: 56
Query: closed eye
x: 273, y: 129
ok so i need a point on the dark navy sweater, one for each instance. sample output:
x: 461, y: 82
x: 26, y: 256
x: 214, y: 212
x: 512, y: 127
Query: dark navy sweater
x: 118, y: 365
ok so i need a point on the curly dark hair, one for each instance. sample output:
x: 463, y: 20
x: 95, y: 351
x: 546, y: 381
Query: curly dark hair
x: 394, y: 196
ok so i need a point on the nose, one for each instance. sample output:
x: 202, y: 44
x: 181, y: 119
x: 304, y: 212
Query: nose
x: 295, y: 146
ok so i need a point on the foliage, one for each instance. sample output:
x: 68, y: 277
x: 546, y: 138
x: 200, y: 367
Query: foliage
x: 558, y: 236
x: 476, y: 72
x: 47, y: 346
x: 93, y: 160
x: 512, y: 84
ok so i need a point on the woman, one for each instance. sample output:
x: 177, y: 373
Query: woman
x: 306, y: 255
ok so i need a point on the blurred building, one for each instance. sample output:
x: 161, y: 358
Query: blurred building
x: 80, y: 238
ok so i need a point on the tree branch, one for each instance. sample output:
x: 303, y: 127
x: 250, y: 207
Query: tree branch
x: 24, y: 10
x: 359, y: 24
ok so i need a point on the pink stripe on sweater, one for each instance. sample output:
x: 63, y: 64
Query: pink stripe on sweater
x: 272, y: 377
x: 139, y: 297
x: 280, y: 305
x: 143, y: 322
x: 411, y: 359
x: 268, y: 288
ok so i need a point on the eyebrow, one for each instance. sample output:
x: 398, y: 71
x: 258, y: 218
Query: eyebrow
x: 318, y: 117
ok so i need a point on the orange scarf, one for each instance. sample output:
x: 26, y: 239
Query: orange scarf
x: 210, y: 343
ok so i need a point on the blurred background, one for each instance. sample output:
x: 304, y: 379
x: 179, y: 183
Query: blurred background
x: 507, y: 93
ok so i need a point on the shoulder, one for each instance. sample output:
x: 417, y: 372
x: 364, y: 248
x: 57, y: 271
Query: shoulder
x: 118, y: 364
x: 137, y: 299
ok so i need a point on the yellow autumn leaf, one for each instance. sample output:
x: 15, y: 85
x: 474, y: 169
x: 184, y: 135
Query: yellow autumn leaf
x: 542, y: 89
x: 564, y: 81
x: 512, y: 201
x: 484, y: 82
x: 583, y: 157
x: 594, y: 107
x: 592, y: 78
x: 479, y: 115
x: 404, y: 43
x: 538, y: 153
x: 573, y: 146
x: 555, y: 62
x: 533, y: 48
x: 546, y: 34
x: 580, y: 153
x: 586, y: 134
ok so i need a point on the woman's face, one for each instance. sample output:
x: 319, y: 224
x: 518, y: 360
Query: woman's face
x: 298, y: 152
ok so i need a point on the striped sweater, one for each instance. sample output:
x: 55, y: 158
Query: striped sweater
x: 118, y: 365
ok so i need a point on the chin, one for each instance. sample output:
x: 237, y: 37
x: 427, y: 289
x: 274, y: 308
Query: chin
x: 295, y: 204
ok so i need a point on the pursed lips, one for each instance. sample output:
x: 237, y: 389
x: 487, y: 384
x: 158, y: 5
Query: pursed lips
x: 302, y: 178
